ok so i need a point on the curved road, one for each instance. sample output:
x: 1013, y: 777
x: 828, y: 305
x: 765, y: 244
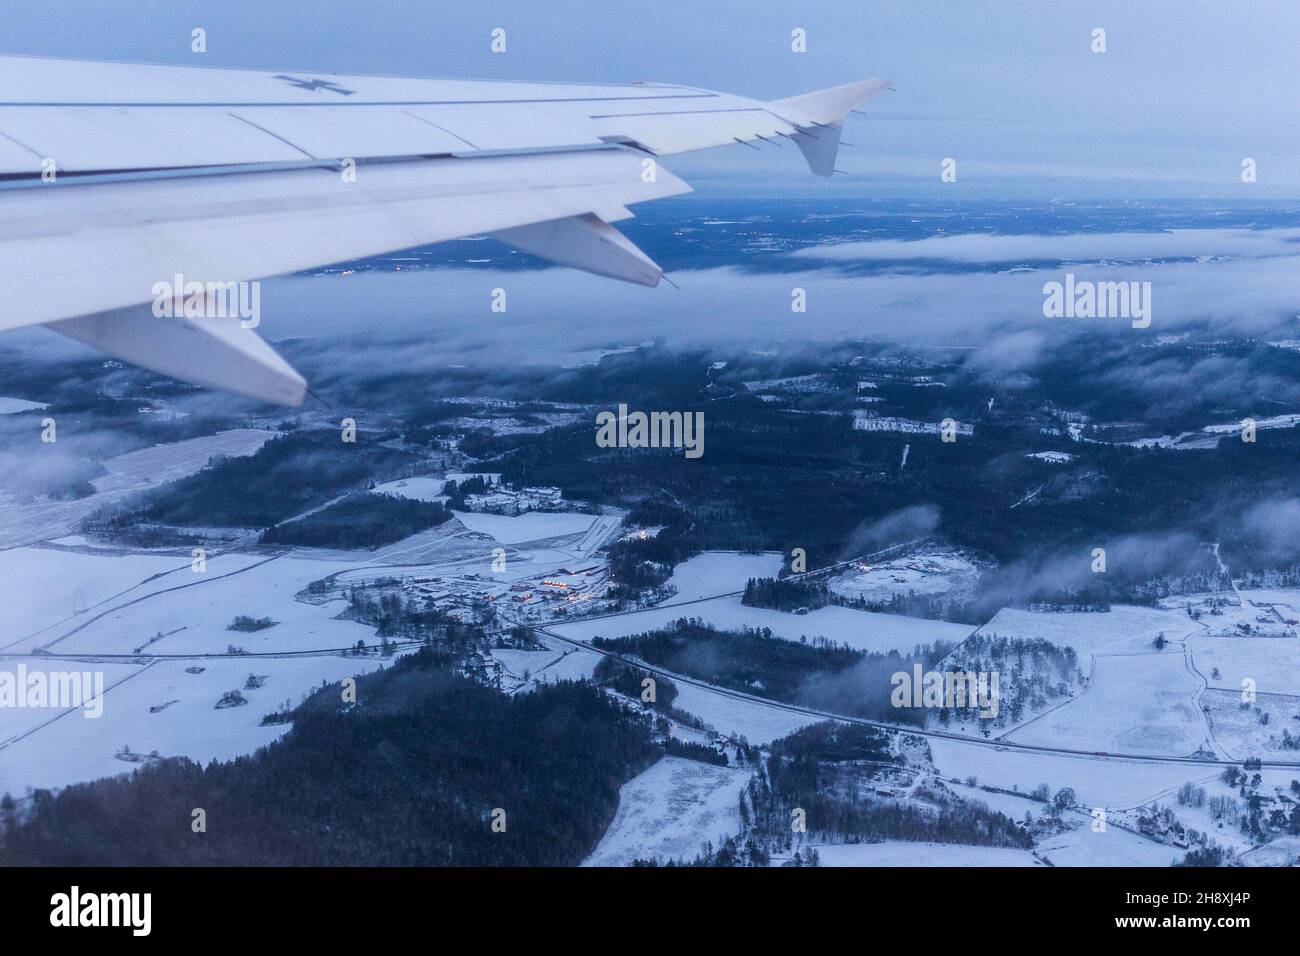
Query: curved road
x: 996, y: 744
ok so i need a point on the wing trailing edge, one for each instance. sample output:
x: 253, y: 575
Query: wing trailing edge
x: 118, y: 178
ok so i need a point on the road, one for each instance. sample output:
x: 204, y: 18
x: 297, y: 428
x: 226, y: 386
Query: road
x: 998, y: 744
x: 899, y: 728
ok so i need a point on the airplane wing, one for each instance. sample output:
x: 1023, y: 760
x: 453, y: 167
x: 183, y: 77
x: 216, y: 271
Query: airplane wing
x: 137, y: 202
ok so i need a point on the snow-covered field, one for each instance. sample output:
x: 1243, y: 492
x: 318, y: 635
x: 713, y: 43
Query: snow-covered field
x: 420, y: 488
x: 1136, y: 704
x: 71, y: 748
x: 192, y: 610
x: 133, y: 471
x: 11, y: 406
x: 123, y: 602
x: 1272, y: 663
x: 1241, y: 730
x: 530, y: 526
x: 1098, y: 783
x: 1082, y: 846
x: 758, y: 723
x: 720, y: 572
x: 53, y: 584
x: 556, y: 662
x: 904, y: 853
x: 862, y: 630
x: 919, y: 574
x: 1123, y: 629
x: 1012, y: 805
x: 669, y: 810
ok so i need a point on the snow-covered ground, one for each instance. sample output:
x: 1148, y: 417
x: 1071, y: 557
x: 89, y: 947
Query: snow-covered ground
x: 920, y: 574
x: 905, y: 853
x: 1097, y: 782
x: 530, y: 526
x: 669, y: 810
x: 192, y: 610
x: 1256, y: 728
x: 1284, y: 851
x: 420, y: 488
x: 54, y: 584
x: 35, y: 521
x: 67, y: 747
x: 720, y: 572
x: 1272, y: 663
x: 1083, y: 846
x: 758, y: 723
x: 1012, y: 805
x: 862, y: 630
x: 11, y: 406
x: 1136, y: 704
x: 556, y: 661
x: 1123, y: 629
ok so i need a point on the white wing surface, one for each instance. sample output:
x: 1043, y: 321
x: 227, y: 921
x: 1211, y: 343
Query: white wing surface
x: 119, y: 182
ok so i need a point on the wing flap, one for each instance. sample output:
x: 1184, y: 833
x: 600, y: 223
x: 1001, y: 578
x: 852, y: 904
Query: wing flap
x: 588, y: 243
x: 218, y: 352
x: 85, y: 139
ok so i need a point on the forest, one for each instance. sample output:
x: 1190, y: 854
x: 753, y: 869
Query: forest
x: 812, y: 672
x: 360, y: 521
x: 822, y: 778
x: 426, y: 769
x: 287, y: 476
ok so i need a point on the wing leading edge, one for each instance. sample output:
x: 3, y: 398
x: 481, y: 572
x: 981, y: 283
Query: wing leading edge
x: 118, y: 181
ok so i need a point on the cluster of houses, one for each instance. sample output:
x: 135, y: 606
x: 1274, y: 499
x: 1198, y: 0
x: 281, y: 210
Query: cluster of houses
x: 1161, y: 826
x: 468, y: 598
x: 505, y: 501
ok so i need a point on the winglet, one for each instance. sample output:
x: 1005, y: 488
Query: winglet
x: 818, y: 117
x: 830, y: 105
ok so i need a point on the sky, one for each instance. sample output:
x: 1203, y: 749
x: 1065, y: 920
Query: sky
x: 1011, y: 90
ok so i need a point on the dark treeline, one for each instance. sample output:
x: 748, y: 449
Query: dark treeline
x: 629, y: 681
x: 825, y: 777
x: 775, y: 479
x: 361, y: 520
x: 1033, y: 674
x: 395, y: 617
x: 641, y: 564
x: 411, y: 775
x: 458, y: 491
x: 691, y: 750
x: 752, y: 661
x: 809, y: 770
x: 287, y: 476
x: 812, y: 672
x: 781, y: 594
